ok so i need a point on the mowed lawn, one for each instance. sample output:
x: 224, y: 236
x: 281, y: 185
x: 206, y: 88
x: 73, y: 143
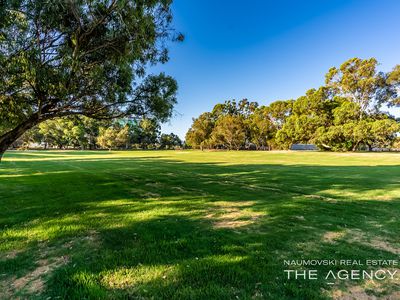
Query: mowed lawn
x: 192, y: 224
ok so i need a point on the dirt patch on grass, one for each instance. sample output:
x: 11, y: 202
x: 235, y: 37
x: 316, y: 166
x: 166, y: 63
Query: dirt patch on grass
x: 384, y: 198
x: 353, y: 293
x: 342, y: 295
x: 154, y: 184
x: 383, y: 245
x: 91, y: 239
x: 375, y: 242
x: 232, y: 220
x: 370, y: 290
x: 300, y: 218
x: 150, y: 195
x: 47, y: 259
x: 10, y: 254
x: 232, y: 214
x: 319, y: 197
x: 179, y: 189
x: 357, y: 236
x: 333, y: 236
x: 34, y: 282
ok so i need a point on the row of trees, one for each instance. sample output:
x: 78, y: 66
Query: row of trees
x: 344, y: 114
x: 88, y: 133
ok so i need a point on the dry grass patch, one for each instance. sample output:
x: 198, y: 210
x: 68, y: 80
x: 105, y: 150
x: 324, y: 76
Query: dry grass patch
x: 357, y: 236
x: 47, y: 260
x: 375, y: 242
x: 33, y: 282
x: 384, y: 198
x: 232, y: 214
x: 151, y: 195
x: 131, y: 278
x: 369, y: 290
x: 179, y: 189
x: 319, y: 197
x: 10, y: 254
x: 154, y: 184
x: 333, y: 236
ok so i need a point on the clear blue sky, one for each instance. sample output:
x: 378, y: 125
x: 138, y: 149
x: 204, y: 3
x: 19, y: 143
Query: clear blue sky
x: 271, y: 50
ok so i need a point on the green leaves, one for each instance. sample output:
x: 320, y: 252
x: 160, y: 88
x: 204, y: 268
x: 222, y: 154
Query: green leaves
x: 343, y: 115
x: 113, y: 137
x: 155, y: 97
x: 199, y: 135
x: 229, y: 132
x: 62, y: 58
x: 393, y: 86
x: 358, y: 81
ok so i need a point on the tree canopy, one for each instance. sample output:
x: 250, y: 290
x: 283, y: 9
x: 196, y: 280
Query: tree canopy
x: 345, y: 114
x: 60, y: 58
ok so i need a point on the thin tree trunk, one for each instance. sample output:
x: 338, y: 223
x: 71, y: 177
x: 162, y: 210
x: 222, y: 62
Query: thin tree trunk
x: 2, y: 150
x: 355, y: 147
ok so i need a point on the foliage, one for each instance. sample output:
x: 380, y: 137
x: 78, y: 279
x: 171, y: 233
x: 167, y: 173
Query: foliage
x: 170, y: 141
x: 393, y: 86
x: 261, y: 129
x: 148, y: 131
x: 343, y: 115
x: 309, y: 112
x: 358, y: 81
x: 229, y: 132
x: 113, y: 137
x: 279, y: 111
x: 87, y: 133
x: 60, y: 58
x: 199, y: 135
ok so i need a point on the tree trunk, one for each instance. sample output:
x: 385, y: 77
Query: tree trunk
x: 355, y: 147
x: 3, y: 149
x: 7, y: 139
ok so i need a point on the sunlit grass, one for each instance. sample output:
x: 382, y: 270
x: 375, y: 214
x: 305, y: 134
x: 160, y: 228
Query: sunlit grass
x: 190, y: 224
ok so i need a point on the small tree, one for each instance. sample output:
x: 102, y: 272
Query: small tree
x: 260, y: 128
x: 53, y: 133
x: 148, y: 133
x: 199, y: 134
x: 230, y: 132
x: 113, y: 137
x: 170, y: 141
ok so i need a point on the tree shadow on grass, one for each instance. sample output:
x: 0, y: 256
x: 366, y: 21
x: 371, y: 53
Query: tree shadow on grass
x: 147, y: 227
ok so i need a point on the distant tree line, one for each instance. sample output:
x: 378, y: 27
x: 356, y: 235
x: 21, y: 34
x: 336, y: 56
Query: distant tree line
x: 81, y: 132
x: 346, y: 114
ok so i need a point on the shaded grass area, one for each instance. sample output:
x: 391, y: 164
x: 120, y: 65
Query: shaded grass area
x: 191, y: 224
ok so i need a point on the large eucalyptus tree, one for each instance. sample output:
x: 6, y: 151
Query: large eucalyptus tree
x: 82, y: 57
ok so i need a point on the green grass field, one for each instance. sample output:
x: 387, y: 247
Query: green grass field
x: 193, y: 225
